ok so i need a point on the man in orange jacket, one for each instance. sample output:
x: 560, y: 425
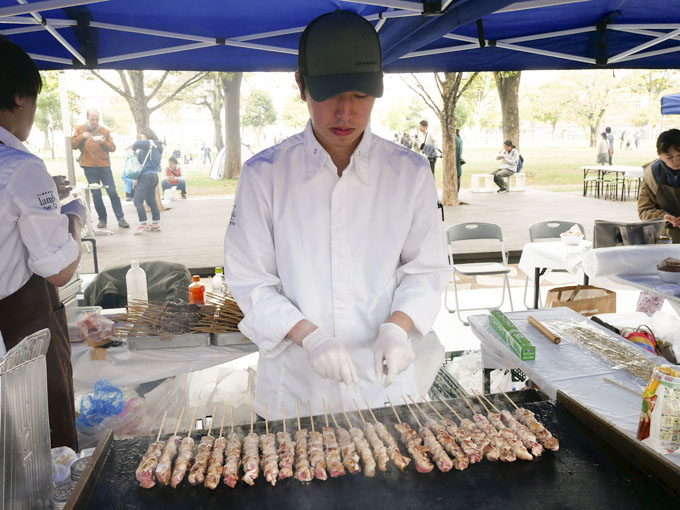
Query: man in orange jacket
x: 95, y: 143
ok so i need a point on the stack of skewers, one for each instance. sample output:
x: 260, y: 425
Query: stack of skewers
x: 225, y: 318
x: 335, y: 451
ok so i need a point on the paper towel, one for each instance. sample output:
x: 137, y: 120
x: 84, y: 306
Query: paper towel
x: 627, y: 260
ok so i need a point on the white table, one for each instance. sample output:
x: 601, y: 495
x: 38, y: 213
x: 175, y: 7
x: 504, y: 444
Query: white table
x: 566, y: 366
x: 127, y: 368
x: 538, y: 257
x: 654, y: 285
x: 621, y: 173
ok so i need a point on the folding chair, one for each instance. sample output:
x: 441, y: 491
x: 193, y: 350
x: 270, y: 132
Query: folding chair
x: 548, y: 230
x: 477, y: 231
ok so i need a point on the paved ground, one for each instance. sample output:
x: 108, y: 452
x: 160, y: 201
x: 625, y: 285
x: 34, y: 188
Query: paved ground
x: 193, y: 230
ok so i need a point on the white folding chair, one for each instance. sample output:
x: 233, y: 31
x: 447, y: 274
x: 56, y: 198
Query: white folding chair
x: 477, y: 231
x: 548, y: 230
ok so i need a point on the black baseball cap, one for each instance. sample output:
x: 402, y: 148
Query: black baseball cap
x: 340, y: 52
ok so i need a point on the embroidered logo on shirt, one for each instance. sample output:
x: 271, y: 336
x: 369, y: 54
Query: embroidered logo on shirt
x: 47, y: 200
x: 232, y: 220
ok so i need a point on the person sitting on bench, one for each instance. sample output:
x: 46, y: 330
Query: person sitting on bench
x: 510, y: 157
x: 174, y: 177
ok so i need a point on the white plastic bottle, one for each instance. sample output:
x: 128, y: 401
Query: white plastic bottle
x: 219, y: 286
x: 135, y: 280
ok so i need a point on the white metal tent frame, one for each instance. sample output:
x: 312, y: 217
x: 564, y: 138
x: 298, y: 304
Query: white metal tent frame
x: 30, y: 15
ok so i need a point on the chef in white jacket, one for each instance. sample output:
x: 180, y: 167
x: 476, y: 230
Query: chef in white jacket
x: 334, y: 250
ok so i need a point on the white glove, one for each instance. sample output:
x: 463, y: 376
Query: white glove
x: 329, y: 357
x: 75, y: 208
x: 392, y: 347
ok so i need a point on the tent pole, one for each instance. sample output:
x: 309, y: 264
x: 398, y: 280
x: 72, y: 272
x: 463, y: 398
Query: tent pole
x: 66, y: 128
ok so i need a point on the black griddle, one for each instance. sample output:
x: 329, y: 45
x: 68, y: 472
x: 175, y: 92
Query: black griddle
x: 585, y: 473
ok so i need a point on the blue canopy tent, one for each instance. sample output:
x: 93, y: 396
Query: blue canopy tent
x: 262, y: 35
x: 670, y: 104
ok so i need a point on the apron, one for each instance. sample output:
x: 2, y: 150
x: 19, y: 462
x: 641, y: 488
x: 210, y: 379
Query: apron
x: 36, y: 306
x: 668, y: 199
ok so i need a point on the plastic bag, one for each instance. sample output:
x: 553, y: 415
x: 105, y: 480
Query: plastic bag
x: 62, y: 458
x: 106, y: 401
x: 95, y: 327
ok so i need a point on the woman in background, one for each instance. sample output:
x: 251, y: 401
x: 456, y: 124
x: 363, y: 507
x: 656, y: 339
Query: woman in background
x: 603, y: 150
x: 150, y: 154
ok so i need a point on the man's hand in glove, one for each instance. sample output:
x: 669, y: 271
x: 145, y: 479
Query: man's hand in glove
x: 329, y: 357
x: 392, y: 352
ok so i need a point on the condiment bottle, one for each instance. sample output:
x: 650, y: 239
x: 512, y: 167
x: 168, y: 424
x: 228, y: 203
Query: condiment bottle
x: 218, y: 284
x: 665, y: 237
x: 196, y: 291
x: 135, y: 281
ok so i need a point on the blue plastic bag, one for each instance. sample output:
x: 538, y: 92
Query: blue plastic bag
x: 107, y: 400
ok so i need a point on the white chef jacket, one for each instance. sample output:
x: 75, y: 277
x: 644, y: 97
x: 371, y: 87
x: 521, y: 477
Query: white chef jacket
x: 343, y: 252
x: 34, y: 236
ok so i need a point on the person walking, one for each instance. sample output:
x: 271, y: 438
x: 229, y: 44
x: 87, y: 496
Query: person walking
x: 610, y: 140
x: 95, y: 144
x: 429, y: 146
x: 150, y: 154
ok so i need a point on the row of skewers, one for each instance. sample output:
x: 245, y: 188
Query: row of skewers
x: 499, y: 435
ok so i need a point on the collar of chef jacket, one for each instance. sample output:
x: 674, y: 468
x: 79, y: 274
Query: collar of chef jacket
x: 317, y: 154
x: 11, y: 141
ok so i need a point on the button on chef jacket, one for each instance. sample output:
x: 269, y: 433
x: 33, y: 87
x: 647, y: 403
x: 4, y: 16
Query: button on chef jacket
x: 343, y: 252
x: 34, y: 236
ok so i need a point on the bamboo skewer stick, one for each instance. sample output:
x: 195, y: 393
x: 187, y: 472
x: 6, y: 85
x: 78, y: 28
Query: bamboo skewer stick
x: 371, y: 411
x: 506, y: 396
x: 191, y: 423
x: 334, y: 420
x: 452, y: 410
x: 342, y: 406
x: 417, y: 406
x: 612, y: 381
x: 165, y: 414
x: 412, y: 411
x: 469, y: 404
x: 323, y: 401
x: 252, y: 418
x: 482, y: 403
x: 179, y: 420
x: 283, y: 413
x: 266, y: 419
x: 393, y: 409
x: 297, y: 405
x: 491, y: 403
x: 232, y: 418
x: 224, y: 412
x: 212, y: 421
x: 359, y: 411
x: 434, y: 409
x: 311, y: 418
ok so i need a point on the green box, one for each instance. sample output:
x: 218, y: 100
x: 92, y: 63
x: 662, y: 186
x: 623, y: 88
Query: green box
x: 520, y: 344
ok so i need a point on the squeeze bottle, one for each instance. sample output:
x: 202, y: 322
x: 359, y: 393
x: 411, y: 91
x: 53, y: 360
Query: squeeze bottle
x: 135, y: 280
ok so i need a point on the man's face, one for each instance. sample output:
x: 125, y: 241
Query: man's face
x: 25, y: 115
x: 340, y: 121
x: 422, y: 128
x: 93, y: 119
x: 172, y: 165
x: 671, y: 158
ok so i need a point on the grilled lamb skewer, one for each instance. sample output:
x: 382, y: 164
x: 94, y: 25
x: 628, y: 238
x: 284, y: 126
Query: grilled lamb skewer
x: 233, y: 459
x: 526, y: 436
x: 385, y: 438
x: 216, y: 466
x: 286, y: 451
x: 434, y: 448
x: 197, y: 472
x: 379, y: 450
x: 413, y: 444
x: 185, y: 456
x: 303, y: 471
x: 269, y: 459
x: 474, y: 452
x: 506, y: 452
x: 317, y: 458
x: 364, y: 451
x: 251, y: 458
x: 506, y: 433
x: 147, y: 467
x: 350, y: 457
x: 459, y: 458
x: 528, y: 419
x: 164, y: 468
x: 333, y: 459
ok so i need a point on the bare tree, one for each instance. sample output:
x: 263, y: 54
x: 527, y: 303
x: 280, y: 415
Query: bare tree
x: 507, y: 83
x: 231, y: 89
x: 133, y: 90
x: 212, y: 98
x: 450, y: 87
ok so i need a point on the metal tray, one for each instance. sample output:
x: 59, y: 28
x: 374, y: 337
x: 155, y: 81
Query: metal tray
x: 138, y: 343
x: 236, y: 338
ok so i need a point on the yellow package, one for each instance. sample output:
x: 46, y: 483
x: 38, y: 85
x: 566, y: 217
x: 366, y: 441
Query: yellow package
x: 660, y: 415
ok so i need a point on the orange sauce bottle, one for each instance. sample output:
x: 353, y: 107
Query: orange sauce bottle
x: 196, y: 291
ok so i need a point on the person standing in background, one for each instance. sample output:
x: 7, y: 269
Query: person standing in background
x: 602, y: 149
x: 151, y: 151
x: 429, y: 147
x: 459, y: 157
x: 610, y: 140
x: 95, y: 144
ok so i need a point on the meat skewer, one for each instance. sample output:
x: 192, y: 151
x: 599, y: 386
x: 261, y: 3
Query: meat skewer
x: 468, y: 431
x: 522, y: 433
x: 333, y: 459
x: 350, y: 457
x: 197, y: 472
x: 216, y: 466
x: 164, y: 468
x: 458, y: 457
x: 233, y: 455
x: 378, y: 447
x: 510, y: 437
x: 185, y: 456
x: 413, y: 444
x: 286, y: 451
x: 472, y: 452
x: 506, y: 453
x: 393, y: 452
x: 146, y: 471
x: 529, y: 420
x: 303, y: 471
x: 362, y: 446
x: 251, y: 454
x: 269, y: 459
x: 317, y: 459
x: 434, y: 447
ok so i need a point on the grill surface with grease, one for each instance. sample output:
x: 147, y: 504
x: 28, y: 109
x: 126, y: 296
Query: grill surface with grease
x: 584, y: 473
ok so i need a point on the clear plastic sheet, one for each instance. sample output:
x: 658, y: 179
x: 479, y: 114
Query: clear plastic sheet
x: 627, y: 260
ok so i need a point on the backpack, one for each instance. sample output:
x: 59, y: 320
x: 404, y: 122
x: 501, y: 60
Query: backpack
x: 520, y: 163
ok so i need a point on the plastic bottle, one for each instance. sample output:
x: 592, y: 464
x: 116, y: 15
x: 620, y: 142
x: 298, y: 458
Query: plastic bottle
x: 218, y: 283
x: 196, y: 291
x: 665, y: 237
x: 135, y: 280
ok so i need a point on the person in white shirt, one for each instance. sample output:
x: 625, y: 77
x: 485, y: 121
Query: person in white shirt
x: 510, y: 158
x: 39, y: 239
x: 334, y: 251
x: 429, y: 146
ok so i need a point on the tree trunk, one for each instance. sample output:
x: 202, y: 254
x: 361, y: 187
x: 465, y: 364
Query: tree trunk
x: 138, y: 104
x: 46, y: 145
x: 450, y: 97
x: 231, y: 84
x: 507, y: 83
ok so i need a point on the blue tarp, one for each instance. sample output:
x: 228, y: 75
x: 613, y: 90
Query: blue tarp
x: 670, y: 104
x: 262, y: 35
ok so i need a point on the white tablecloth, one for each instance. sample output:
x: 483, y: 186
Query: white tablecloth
x: 552, y: 255
x: 125, y: 368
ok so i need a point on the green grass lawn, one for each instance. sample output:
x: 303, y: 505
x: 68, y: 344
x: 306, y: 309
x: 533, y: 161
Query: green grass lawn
x: 550, y: 168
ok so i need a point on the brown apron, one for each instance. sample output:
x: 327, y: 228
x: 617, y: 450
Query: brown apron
x: 33, y: 307
x: 668, y: 199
